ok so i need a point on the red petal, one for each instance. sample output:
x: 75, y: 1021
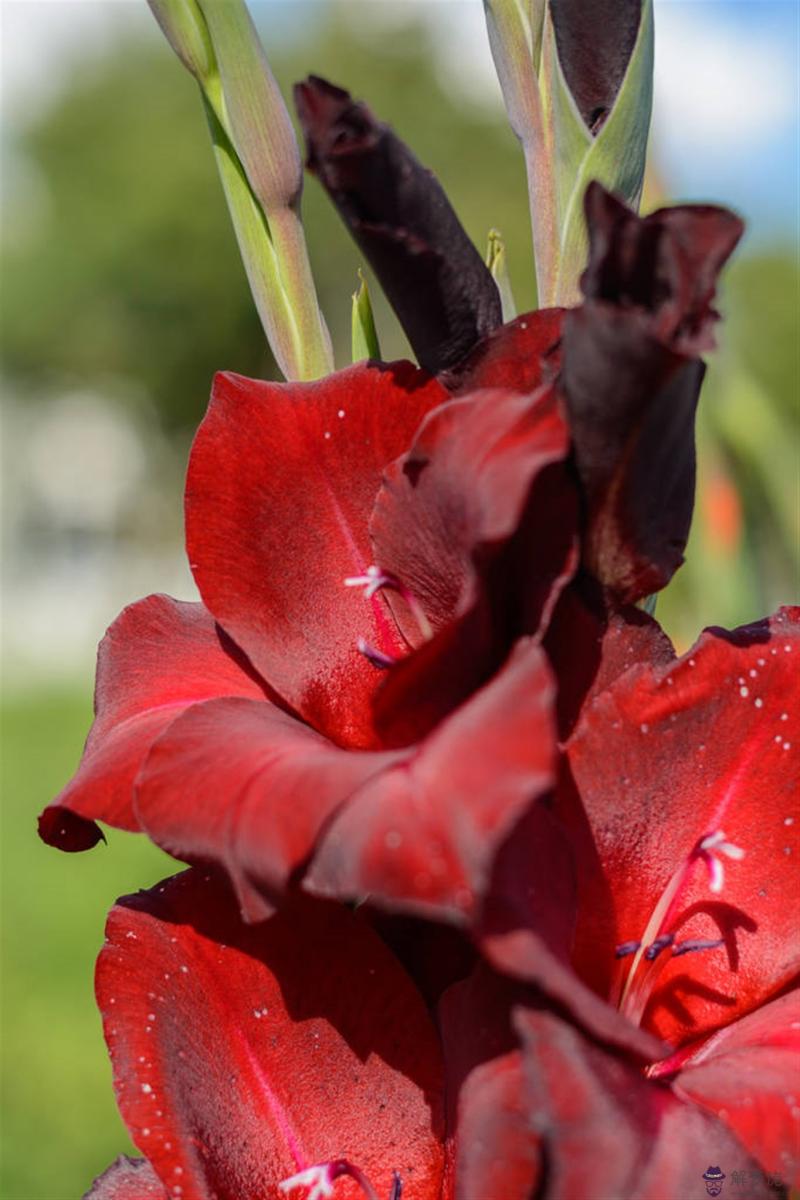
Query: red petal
x: 606, y: 1131
x: 240, y: 783
x: 243, y: 1054
x: 127, y: 1179
x: 443, y: 520
x: 747, y: 1076
x: 282, y: 480
x: 423, y: 834
x: 664, y: 757
x: 158, y: 658
x: 518, y: 356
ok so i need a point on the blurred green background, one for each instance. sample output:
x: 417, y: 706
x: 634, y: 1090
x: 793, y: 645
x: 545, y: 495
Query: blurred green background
x: 122, y: 294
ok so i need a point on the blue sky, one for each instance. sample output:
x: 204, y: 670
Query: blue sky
x: 726, y: 121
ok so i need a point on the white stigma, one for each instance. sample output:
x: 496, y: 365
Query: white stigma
x: 710, y: 848
x: 317, y: 1178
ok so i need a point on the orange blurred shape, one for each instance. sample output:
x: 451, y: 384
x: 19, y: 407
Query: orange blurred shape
x: 722, y: 512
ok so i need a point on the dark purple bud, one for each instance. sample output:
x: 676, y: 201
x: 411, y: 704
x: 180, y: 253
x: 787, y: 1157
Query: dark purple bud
x: 624, y: 949
x: 661, y: 943
x: 437, y: 283
x: 595, y: 40
x: 696, y: 944
x: 661, y: 269
x: 631, y: 379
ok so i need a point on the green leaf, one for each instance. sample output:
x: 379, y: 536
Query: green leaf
x: 615, y: 157
x: 497, y: 263
x: 648, y: 604
x: 364, y: 336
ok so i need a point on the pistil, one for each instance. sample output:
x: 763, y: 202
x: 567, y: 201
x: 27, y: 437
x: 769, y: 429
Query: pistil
x: 321, y: 1178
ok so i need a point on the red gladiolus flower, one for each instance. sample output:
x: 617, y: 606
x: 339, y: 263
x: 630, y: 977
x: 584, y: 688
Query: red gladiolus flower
x: 247, y: 761
x: 363, y: 701
x: 288, y: 1056
x: 367, y: 706
x: 679, y: 797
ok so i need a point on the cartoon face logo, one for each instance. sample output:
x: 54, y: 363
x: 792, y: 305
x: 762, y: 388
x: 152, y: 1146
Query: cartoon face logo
x: 713, y: 1177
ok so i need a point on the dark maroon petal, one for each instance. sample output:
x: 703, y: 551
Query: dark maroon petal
x: 496, y: 1151
x: 666, y: 757
x: 157, y: 659
x: 663, y: 267
x: 422, y: 836
x: 518, y: 356
x: 747, y: 1076
x: 478, y: 521
x: 459, y: 493
x: 281, y: 484
x: 595, y: 39
x: 434, y: 955
x: 532, y: 888
x: 606, y: 1131
x: 523, y: 953
x: 240, y: 1057
x: 240, y: 783
x: 493, y: 1147
x: 631, y: 405
x: 631, y: 381
x: 127, y: 1179
x: 590, y: 644
x: 396, y: 210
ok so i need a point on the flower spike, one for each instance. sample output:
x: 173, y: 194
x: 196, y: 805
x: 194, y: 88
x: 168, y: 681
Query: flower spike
x: 577, y: 80
x: 259, y: 165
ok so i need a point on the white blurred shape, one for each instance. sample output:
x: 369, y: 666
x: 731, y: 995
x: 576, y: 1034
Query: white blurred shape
x: 721, y: 86
x: 85, y: 461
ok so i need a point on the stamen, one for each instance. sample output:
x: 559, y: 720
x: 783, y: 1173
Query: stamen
x: 374, y: 578
x: 633, y: 991
x: 654, y: 949
x: 377, y: 657
x: 696, y: 944
x: 321, y: 1178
